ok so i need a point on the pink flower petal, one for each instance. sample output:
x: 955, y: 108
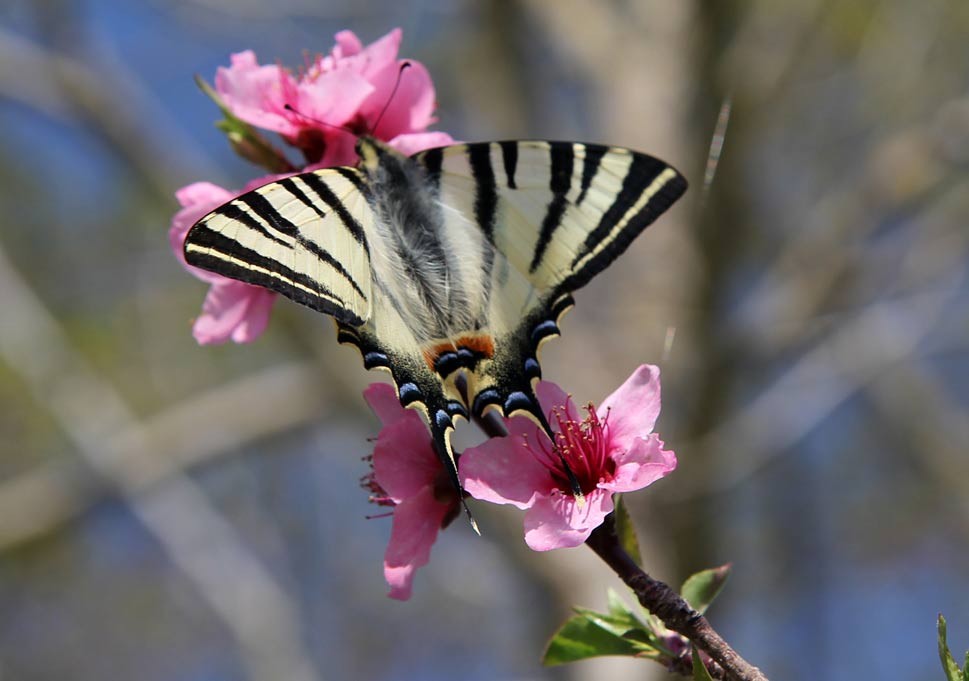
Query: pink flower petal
x: 378, y: 55
x: 412, y: 142
x: 501, y: 470
x: 403, y: 458
x: 347, y: 45
x: 340, y: 151
x: 417, y: 521
x: 642, y: 464
x: 230, y: 305
x: 333, y: 97
x: 384, y: 402
x: 256, y: 319
x: 412, y: 105
x: 633, y: 408
x: 551, y: 396
x: 256, y: 94
x: 558, y: 521
x: 196, y: 200
x: 201, y: 194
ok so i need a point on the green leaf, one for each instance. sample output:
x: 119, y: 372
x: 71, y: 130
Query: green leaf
x: 626, y: 532
x: 701, y: 588
x: 244, y: 138
x: 618, y: 608
x: 579, y: 639
x: 617, y: 625
x: 949, y: 664
x: 700, y: 671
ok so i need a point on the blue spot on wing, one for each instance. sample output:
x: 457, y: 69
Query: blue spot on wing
x: 546, y: 328
x: 517, y: 401
x: 442, y: 420
x: 375, y: 359
x: 532, y: 368
x: 484, y: 398
x: 409, y: 393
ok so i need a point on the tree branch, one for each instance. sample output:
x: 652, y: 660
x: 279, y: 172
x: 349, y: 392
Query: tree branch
x: 669, y: 606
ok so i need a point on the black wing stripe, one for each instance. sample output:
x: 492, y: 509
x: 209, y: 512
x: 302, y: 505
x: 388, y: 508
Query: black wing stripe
x: 593, y: 157
x: 352, y: 175
x: 432, y: 160
x: 271, y: 215
x: 486, y: 191
x: 290, y: 185
x: 562, y: 163
x: 235, y: 211
x: 317, y: 185
x: 216, y: 252
x: 642, y: 171
x: 265, y: 209
x: 509, y: 157
x: 662, y: 199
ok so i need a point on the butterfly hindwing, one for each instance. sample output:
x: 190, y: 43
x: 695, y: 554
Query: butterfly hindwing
x: 556, y: 214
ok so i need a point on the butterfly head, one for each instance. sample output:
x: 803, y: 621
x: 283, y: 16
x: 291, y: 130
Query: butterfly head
x: 373, y: 152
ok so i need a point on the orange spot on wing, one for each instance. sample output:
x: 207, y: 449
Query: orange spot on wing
x: 480, y: 343
x: 432, y: 353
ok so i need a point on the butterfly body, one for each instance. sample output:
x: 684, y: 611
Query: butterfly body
x: 457, y: 261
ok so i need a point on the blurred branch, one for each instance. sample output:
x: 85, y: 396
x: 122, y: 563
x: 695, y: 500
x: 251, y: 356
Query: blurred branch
x: 794, y: 289
x: 112, y: 102
x: 765, y: 76
x: 194, y: 431
x: 914, y: 401
x: 257, y: 10
x: 199, y: 541
x: 848, y: 359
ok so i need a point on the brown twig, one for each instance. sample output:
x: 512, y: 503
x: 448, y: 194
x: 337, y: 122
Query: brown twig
x: 683, y: 665
x: 656, y: 596
x: 669, y: 606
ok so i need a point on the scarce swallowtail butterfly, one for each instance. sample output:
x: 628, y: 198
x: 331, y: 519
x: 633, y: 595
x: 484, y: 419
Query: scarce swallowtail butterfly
x: 456, y: 261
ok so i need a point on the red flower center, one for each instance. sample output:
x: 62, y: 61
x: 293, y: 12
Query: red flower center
x: 580, y: 447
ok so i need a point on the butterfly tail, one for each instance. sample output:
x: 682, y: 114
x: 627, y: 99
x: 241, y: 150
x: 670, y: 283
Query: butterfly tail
x: 442, y: 445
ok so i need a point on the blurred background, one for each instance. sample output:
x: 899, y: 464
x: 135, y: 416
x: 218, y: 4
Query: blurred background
x: 170, y: 511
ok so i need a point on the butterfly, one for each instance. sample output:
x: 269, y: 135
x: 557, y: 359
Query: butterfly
x: 448, y: 268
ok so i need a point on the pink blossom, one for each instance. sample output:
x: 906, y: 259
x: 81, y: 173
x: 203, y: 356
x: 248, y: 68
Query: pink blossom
x: 612, y: 450
x: 347, y: 88
x: 231, y: 309
x: 407, y: 476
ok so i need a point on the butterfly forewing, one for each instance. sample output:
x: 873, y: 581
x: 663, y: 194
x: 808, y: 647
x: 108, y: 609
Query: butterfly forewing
x: 303, y: 237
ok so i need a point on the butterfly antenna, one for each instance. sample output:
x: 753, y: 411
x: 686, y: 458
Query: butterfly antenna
x: 400, y: 73
x: 318, y: 121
